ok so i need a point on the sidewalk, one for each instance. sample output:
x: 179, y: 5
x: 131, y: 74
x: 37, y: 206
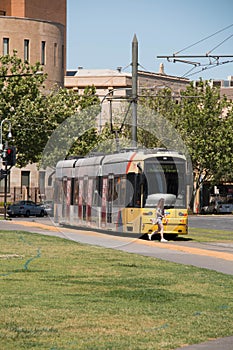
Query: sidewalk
x: 218, y: 344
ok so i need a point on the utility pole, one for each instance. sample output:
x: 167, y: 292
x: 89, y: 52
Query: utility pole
x: 134, y: 89
x: 4, y: 156
x: 5, y: 183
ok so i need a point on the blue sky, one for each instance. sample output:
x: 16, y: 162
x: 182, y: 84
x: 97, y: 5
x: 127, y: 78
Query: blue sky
x: 100, y: 34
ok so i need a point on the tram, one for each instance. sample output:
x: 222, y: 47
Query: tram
x: 119, y: 192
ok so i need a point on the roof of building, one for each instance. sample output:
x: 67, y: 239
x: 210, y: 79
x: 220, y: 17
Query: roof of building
x: 82, y: 72
x: 162, y: 75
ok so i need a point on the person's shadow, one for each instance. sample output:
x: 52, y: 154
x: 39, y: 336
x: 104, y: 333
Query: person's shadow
x: 169, y: 237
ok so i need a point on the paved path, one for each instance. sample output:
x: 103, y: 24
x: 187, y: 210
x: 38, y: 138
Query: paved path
x: 214, y: 256
x: 218, y: 344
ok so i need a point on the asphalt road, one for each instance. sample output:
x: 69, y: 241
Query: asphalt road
x: 217, y: 222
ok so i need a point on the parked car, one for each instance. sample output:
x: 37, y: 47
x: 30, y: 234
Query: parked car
x: 226, y: 208
x: 218, y: 207
x: 25, y: 208
x: 48, y: 207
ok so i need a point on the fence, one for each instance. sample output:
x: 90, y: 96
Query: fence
x: 23, y: 193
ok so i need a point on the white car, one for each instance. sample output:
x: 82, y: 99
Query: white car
x: 225, y: 208
x: 217, y: 207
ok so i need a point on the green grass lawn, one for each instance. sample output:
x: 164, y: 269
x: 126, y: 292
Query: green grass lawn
x: 60, y: 295
x: 207, y: 235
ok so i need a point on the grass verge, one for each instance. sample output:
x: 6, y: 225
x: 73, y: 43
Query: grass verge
x: 208, y: 235
x: 58, y: 294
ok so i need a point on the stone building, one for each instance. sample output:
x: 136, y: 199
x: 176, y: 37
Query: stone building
x: 118, y: 84
x: 37, y: 31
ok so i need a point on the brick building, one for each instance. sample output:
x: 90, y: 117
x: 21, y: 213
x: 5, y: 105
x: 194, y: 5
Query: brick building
x: 37, y: 31
x: 119, y: 84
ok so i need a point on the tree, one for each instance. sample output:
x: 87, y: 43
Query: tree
x: 22, y: 102
x: 205, y: 125
x: 33, y: 112
x: 205, y: 122
x: 73, y: 125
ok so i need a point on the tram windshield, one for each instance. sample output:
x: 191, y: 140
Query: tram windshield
x: 165, y: 177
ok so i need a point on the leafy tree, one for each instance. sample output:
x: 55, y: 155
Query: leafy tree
x: 73, y: 129
x: 33, y: 112
x: 21, y: 102
x: 205, y: 122
x: 206, y: 128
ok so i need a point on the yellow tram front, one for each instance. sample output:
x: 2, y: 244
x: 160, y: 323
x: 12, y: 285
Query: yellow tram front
x: 142, y: 178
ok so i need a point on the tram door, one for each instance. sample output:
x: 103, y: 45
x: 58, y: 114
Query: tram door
x: 104, y: 202
x: 85, y: 198
x: 89, y: 200
x: 68, y: 200
x: 64, y: 196
x: 80, y: 196
x: 108, y: 192
x: 66, y: 183
x: 110, y: 195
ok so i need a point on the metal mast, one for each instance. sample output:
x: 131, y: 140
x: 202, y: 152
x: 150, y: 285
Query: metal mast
x: 134, y: 89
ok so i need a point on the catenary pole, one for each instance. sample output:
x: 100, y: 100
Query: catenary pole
x: 134, y: 89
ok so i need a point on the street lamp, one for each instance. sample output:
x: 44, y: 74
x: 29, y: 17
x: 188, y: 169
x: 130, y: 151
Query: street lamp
x: 3, y: 152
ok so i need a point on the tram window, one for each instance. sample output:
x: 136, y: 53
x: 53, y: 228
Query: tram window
x: 130, y: 190
x: 85, y: 190
x: 69, y: 192
x: 121, y: 190
x: 115, y: 191
x: 166, y: 176
x: 96, y: 191
x: 84, y: 199
x: 64, y: 187
x: 110, y: 193
x: 75, y: 192
x: 58, y: 191
x: 137, y: 194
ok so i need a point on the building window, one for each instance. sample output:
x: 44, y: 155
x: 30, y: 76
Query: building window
x: 2, y: 13
x: 55, y: 54
x: 2, y: 184
x: 26, y: 50
x: 5, y: 46
x: 42, y: 182
x: 43, y: 52
x: 25, y: 178
x: 62, y: 56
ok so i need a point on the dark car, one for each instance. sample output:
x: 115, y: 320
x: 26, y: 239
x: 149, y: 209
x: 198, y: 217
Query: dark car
x: 25, y: 208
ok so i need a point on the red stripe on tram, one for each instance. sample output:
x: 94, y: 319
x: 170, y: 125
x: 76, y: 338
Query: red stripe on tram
x: 129, y: 162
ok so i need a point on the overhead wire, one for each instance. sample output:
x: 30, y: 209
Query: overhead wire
x: 205, y: 68
x: 219, y: 45
x: 206, y: 38
x: 211, y: 64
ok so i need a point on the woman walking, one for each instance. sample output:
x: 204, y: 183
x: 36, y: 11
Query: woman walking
x: 159, y: 220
